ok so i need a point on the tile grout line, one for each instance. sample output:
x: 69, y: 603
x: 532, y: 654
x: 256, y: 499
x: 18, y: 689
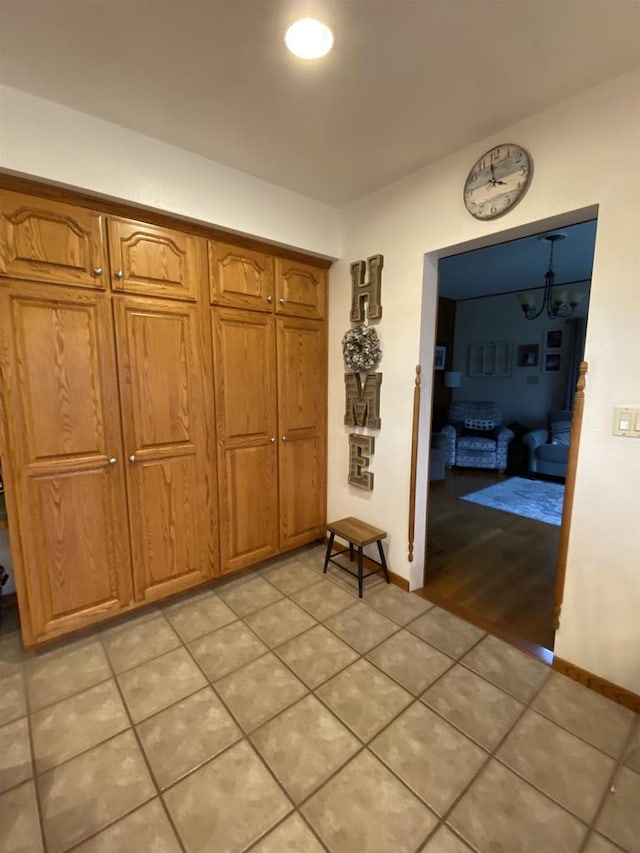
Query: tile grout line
x: 144, y: 758
x: 36, y: 787
x: 492, y: 755
x: 609, y: 789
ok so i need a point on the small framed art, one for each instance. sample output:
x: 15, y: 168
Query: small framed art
x: 439, y: 358
x: 553, y: 339
x: 552, y: 362
x: 528, y: 355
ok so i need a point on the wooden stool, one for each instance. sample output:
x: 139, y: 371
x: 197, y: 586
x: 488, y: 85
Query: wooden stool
x: 357, y: 533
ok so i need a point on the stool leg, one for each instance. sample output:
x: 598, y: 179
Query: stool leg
x: 328, y: 554
x: 351, y: 551
x: 383, y: 561
x: 360, y: 572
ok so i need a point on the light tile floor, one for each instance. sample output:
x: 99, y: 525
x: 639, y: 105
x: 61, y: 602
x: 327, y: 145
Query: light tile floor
x: 277, y: 713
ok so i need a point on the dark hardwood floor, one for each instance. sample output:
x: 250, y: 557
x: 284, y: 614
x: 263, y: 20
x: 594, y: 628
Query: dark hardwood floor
x: 492, y: 568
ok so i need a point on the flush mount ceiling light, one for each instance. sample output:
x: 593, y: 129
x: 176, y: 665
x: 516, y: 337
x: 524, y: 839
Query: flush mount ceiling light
x: 309, y: 38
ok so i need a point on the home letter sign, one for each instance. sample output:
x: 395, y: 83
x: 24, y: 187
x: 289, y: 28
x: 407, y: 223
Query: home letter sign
x: 360, y: 449
x: 362, y: 405
x: 371, y: 291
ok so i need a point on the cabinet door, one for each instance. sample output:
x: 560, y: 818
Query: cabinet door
x: 153, y: 261
x: 239, y: 277
x: 163, y: 421
x: 302, y: 393
x: 44, y: 240
x: 59, y: 377
x: 301, y: 289
x: 247, y: 446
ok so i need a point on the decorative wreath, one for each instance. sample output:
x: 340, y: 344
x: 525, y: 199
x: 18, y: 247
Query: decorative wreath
x: 361, y: 348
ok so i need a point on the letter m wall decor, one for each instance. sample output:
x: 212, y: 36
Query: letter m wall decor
x: 362, y: 406
x: 370, y: 291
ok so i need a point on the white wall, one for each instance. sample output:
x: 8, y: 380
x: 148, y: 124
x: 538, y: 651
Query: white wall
x: 500, y: 318
x: 586, y: 153
x: 46, y: 140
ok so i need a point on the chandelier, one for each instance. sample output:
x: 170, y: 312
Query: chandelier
x: 556, y: 300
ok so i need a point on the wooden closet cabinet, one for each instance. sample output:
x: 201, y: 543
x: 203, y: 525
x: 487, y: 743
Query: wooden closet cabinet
x: 48, y: 241
x: 65, y: 476
x: 302, y: 415
x: 246, y: 412
x: 149, y: 441
x: 163, y: 418
x: 270, y: 383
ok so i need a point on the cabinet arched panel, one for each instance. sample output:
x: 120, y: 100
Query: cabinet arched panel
x: 301, y: 289
x: 239, y: 277
x: 47, y: 241
x: 153, y: 261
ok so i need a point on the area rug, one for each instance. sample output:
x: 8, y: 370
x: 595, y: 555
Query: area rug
x: 535, y: 499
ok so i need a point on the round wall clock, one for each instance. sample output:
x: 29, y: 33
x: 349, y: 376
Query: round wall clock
x: 497, y: 181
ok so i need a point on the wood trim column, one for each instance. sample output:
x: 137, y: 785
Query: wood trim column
x: 570, y: 483
x: 414, y: 462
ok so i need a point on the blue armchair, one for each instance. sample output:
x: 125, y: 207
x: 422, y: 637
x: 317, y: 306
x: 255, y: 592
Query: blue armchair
x: 549, y: 448
x: 475, y: 437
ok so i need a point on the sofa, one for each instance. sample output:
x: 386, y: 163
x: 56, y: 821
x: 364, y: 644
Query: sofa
x: 548, y: 449
x: 475, y: 437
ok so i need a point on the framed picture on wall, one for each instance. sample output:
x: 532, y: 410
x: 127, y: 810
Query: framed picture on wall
x: 553, y: 339
x: 528, y: 355
x: 439, y: 358
x: 551, y: 362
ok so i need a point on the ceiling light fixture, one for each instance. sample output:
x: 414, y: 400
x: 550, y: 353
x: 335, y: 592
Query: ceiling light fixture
x: 309, y: 38
x: 556, y: 301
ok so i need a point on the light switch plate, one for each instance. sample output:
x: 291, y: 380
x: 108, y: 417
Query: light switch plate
x: 626, y: 421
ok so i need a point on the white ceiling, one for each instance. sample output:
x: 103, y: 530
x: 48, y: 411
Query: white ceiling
x: 408, y: 81
x: 518, y: 265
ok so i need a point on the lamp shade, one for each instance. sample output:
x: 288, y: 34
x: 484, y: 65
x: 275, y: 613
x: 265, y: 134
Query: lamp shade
x: 452, y: 379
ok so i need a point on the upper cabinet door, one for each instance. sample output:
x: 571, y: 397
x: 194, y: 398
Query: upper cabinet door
x: 47, y: 241
x: 163, y: 417
x: 301, y: 289
x: 61, y: 397
x: 153, y: 261
x: 240, y: 278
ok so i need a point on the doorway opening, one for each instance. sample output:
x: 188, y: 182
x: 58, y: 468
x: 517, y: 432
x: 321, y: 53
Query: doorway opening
x: 500, y: 425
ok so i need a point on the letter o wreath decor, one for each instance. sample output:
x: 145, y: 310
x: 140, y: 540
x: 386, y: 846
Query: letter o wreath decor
x: 361, y: 349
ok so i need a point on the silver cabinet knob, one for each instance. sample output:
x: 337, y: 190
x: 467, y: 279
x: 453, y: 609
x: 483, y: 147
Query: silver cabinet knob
x: 269, y: 299
x: 273, y: 439
x: 132, y: 458
x: 282, y: 301
x: 97, y: 270
x: 119, y: 274
x: 113, y: 460
x: 284, y: 437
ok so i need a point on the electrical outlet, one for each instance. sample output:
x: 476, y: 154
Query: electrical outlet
x: 626, y: 421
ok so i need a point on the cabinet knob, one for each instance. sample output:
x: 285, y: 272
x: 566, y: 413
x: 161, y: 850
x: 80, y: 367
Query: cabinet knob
x: 269, y: 299
x: 97, y: 270
x: 282, y: 301
x: 273, y: 439
x: 284, y: 437
x: 113, y: 460
x: 119, y: 274
x: 132, y: 458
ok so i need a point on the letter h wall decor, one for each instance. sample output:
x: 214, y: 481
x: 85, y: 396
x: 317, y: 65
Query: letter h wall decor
x: 362, y: 352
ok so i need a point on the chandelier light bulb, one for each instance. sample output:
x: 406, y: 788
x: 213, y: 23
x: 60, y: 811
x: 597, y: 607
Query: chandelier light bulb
x: 309, y: 38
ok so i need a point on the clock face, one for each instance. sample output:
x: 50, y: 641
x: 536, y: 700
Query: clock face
x: 497, y: 181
